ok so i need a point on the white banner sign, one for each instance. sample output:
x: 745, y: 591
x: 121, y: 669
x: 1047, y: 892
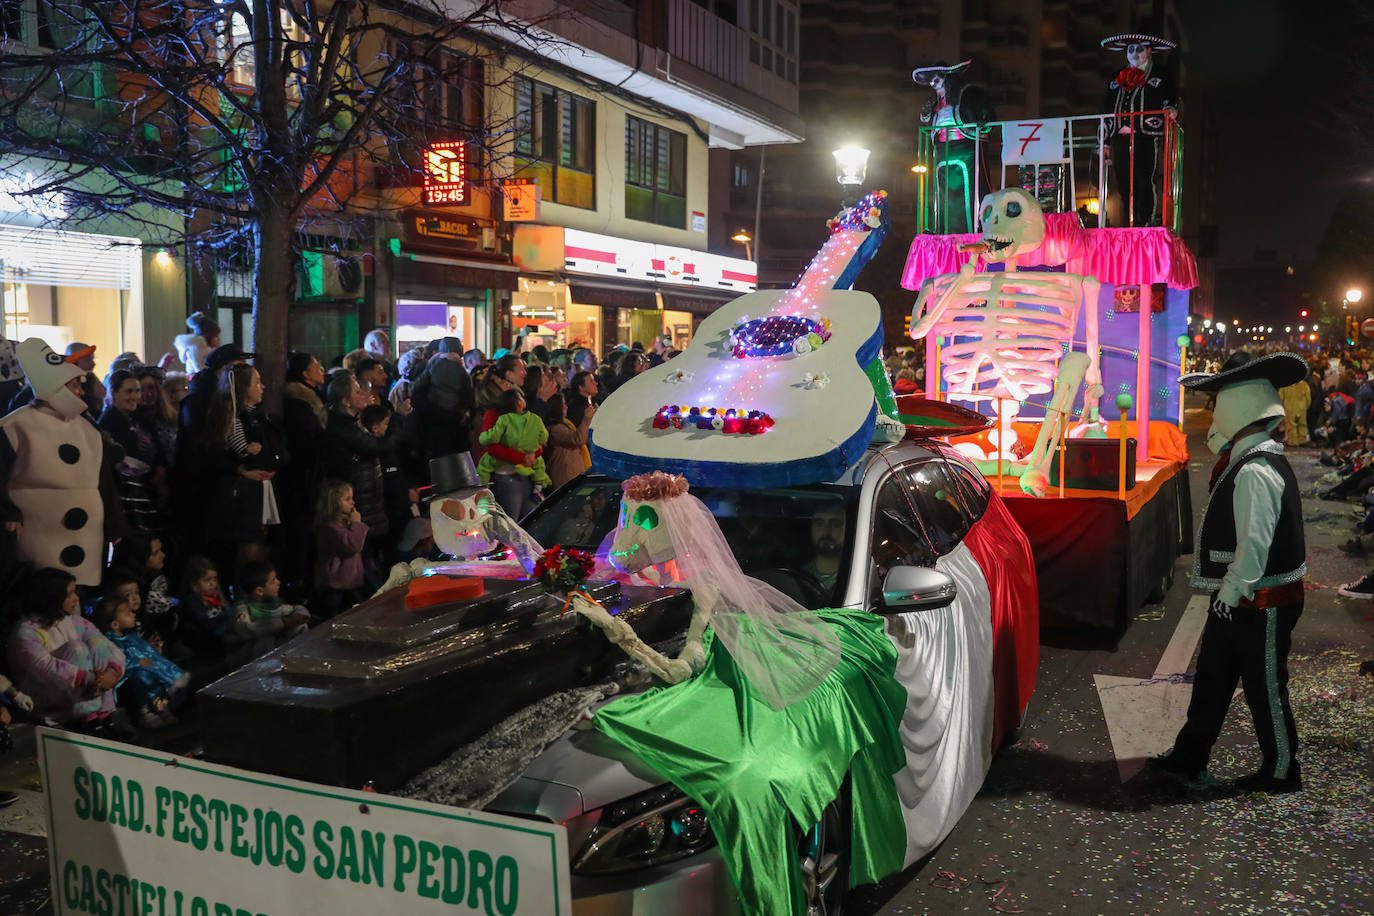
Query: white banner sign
x: 134, y: 831
x: 1029, y: 142
x: 592, y: 253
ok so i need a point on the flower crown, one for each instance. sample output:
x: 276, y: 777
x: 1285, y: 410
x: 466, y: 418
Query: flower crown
x: 657, y: 485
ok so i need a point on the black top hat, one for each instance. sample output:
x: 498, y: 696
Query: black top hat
x: 450, y: 473
x: 225, y: 354
x: 1279, y: 369
x: 924, y: 75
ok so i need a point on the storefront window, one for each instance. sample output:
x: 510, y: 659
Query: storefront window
x: 584, y: 327
x: 418, y: 322
x: 677, y: 327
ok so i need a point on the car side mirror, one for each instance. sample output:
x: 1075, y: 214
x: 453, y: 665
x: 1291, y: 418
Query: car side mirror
x: 916, y: 588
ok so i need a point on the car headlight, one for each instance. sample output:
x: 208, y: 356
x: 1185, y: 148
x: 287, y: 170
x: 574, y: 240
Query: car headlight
x: 651, y: 828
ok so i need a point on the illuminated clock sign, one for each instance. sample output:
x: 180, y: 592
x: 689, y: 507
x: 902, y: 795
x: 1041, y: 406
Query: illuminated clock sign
x: 445, y: 170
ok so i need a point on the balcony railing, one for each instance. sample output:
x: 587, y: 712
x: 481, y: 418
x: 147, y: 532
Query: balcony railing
x: 1066, y: 163
x: 707, y: 42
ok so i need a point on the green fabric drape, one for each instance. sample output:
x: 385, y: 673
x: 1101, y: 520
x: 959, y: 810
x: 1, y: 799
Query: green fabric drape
x: 764, y: 775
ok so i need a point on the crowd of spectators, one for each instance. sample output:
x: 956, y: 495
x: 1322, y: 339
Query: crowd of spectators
x: 230, y: 526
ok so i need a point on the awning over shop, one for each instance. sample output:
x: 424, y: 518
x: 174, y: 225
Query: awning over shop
x: 614, y: 296
x: 700, y: 304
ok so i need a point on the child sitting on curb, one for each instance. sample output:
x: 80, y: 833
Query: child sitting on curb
x: 156, y: 686
x: 271, y: 620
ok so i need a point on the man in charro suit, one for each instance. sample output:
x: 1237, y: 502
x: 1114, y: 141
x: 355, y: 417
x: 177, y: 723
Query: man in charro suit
x: 1135, y: 138
x: 1252, y: 556
x: 956, y: 109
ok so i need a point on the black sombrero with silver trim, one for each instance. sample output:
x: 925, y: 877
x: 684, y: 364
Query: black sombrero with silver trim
x: 1121, y: 42
x: 924, y: 75
x: 1279, y: 369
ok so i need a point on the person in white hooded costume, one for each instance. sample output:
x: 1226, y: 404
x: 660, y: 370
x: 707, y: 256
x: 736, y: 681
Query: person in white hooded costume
x: 51, y: 457
x: 1251, y: 555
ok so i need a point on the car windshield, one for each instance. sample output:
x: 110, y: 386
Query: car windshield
x: 796, y: 539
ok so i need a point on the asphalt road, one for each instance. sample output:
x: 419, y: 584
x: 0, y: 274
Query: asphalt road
x: 1054, y: 829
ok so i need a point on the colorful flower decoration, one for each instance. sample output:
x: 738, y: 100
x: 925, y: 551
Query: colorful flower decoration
x: 866, y: 215
x: 562, y: 569
x: 1130, y: 78
x: 718, y: 419
x: 778, y: 335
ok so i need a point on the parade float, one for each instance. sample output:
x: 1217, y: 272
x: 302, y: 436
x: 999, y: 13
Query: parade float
x: 1062, y: 315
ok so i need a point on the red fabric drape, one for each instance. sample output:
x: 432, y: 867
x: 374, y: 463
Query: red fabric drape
x: 1004, y: 554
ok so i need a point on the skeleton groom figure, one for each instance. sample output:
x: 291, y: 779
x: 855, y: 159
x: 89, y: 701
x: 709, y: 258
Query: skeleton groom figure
x: 1251, y: 556
x: 1005, y: 333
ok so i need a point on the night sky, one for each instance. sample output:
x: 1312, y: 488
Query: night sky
x: 1289, y: 87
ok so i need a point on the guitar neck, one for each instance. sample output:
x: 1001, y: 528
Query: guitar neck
x: 853, y: 241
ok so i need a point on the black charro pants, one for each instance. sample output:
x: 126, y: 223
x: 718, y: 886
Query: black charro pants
x: 1137, y: 174
x: 1251, y: 649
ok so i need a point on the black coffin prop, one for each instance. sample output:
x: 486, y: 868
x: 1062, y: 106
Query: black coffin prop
x: 330, y: 707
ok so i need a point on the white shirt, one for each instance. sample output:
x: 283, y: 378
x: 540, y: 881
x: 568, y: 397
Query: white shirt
x: 1256, y: 502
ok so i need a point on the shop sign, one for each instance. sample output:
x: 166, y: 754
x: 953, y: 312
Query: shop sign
x: 591, y: 253
x: 521, y: 199
x: 450, y: 231
x: 17, y: 196
x: 445, y: 173
x: 134, y: 830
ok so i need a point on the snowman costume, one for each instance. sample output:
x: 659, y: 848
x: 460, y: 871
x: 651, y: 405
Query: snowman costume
x: 1251, y: 555
x: 51, y: 457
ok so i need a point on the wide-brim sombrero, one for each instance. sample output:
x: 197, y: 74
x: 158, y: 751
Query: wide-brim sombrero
x: 924, y: 75
x: 1120, y: 42
x: 1279, y: 369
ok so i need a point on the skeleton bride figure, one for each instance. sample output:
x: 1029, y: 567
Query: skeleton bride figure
x: 770, y: 706
x: 668, y: 535
x: 1007, y: 331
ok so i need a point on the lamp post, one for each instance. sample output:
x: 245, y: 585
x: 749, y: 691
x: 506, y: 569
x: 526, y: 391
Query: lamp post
x: 851, y: 167
x: 746, y: 240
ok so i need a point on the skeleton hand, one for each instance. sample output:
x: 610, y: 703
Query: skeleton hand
x: 23, y: 701
x: 1221, y: 609
x: 672, y: 670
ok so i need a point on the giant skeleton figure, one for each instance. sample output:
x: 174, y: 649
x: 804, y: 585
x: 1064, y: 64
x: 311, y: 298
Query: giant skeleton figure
x: 1007, y: 331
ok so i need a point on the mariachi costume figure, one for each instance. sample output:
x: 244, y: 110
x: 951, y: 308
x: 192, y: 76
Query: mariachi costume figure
x: 1136, y: 140
x: 1251, y: 555
x: 956, y: 109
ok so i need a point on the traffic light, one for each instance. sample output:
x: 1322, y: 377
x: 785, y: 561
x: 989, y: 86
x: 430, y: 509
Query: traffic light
x: 1303, y: 313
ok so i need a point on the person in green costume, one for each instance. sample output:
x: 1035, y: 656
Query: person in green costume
x: 521, y: 430
x: 769, y: 706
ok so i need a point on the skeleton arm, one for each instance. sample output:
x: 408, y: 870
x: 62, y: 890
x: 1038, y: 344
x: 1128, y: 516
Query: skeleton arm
x: 690, y: 660
x: 921, y: 326
x: 1035, y: 480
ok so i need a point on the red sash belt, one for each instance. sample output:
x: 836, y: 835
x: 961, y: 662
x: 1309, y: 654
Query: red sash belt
x: 1277, y: 596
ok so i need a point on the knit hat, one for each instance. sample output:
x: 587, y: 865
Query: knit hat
x: 48, y: 373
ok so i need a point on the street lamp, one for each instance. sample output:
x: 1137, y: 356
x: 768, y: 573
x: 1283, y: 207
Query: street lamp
x: 746, y: 240
x: 851, y: 167
x: 1354, y: 294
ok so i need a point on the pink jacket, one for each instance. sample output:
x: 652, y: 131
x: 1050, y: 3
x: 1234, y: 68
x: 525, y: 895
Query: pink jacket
x: 340, y: 557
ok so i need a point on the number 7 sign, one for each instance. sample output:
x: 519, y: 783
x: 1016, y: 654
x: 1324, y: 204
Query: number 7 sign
x: 1028, y: 142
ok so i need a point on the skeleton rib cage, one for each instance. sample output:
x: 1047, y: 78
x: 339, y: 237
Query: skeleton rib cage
x: 1004, y: 332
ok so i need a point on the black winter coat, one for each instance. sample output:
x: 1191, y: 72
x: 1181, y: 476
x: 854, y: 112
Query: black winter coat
x: 235, y: 501
x: 354, y: 455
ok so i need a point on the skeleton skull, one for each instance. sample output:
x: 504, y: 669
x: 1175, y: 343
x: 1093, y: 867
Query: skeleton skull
x: 462, y: 524
x: 642, y: 539
x: 1012, y: 224
x: 1238, y: 406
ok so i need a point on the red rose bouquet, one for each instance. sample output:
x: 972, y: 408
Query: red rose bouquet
x: 563, y: 569
x: 1130, y: 78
